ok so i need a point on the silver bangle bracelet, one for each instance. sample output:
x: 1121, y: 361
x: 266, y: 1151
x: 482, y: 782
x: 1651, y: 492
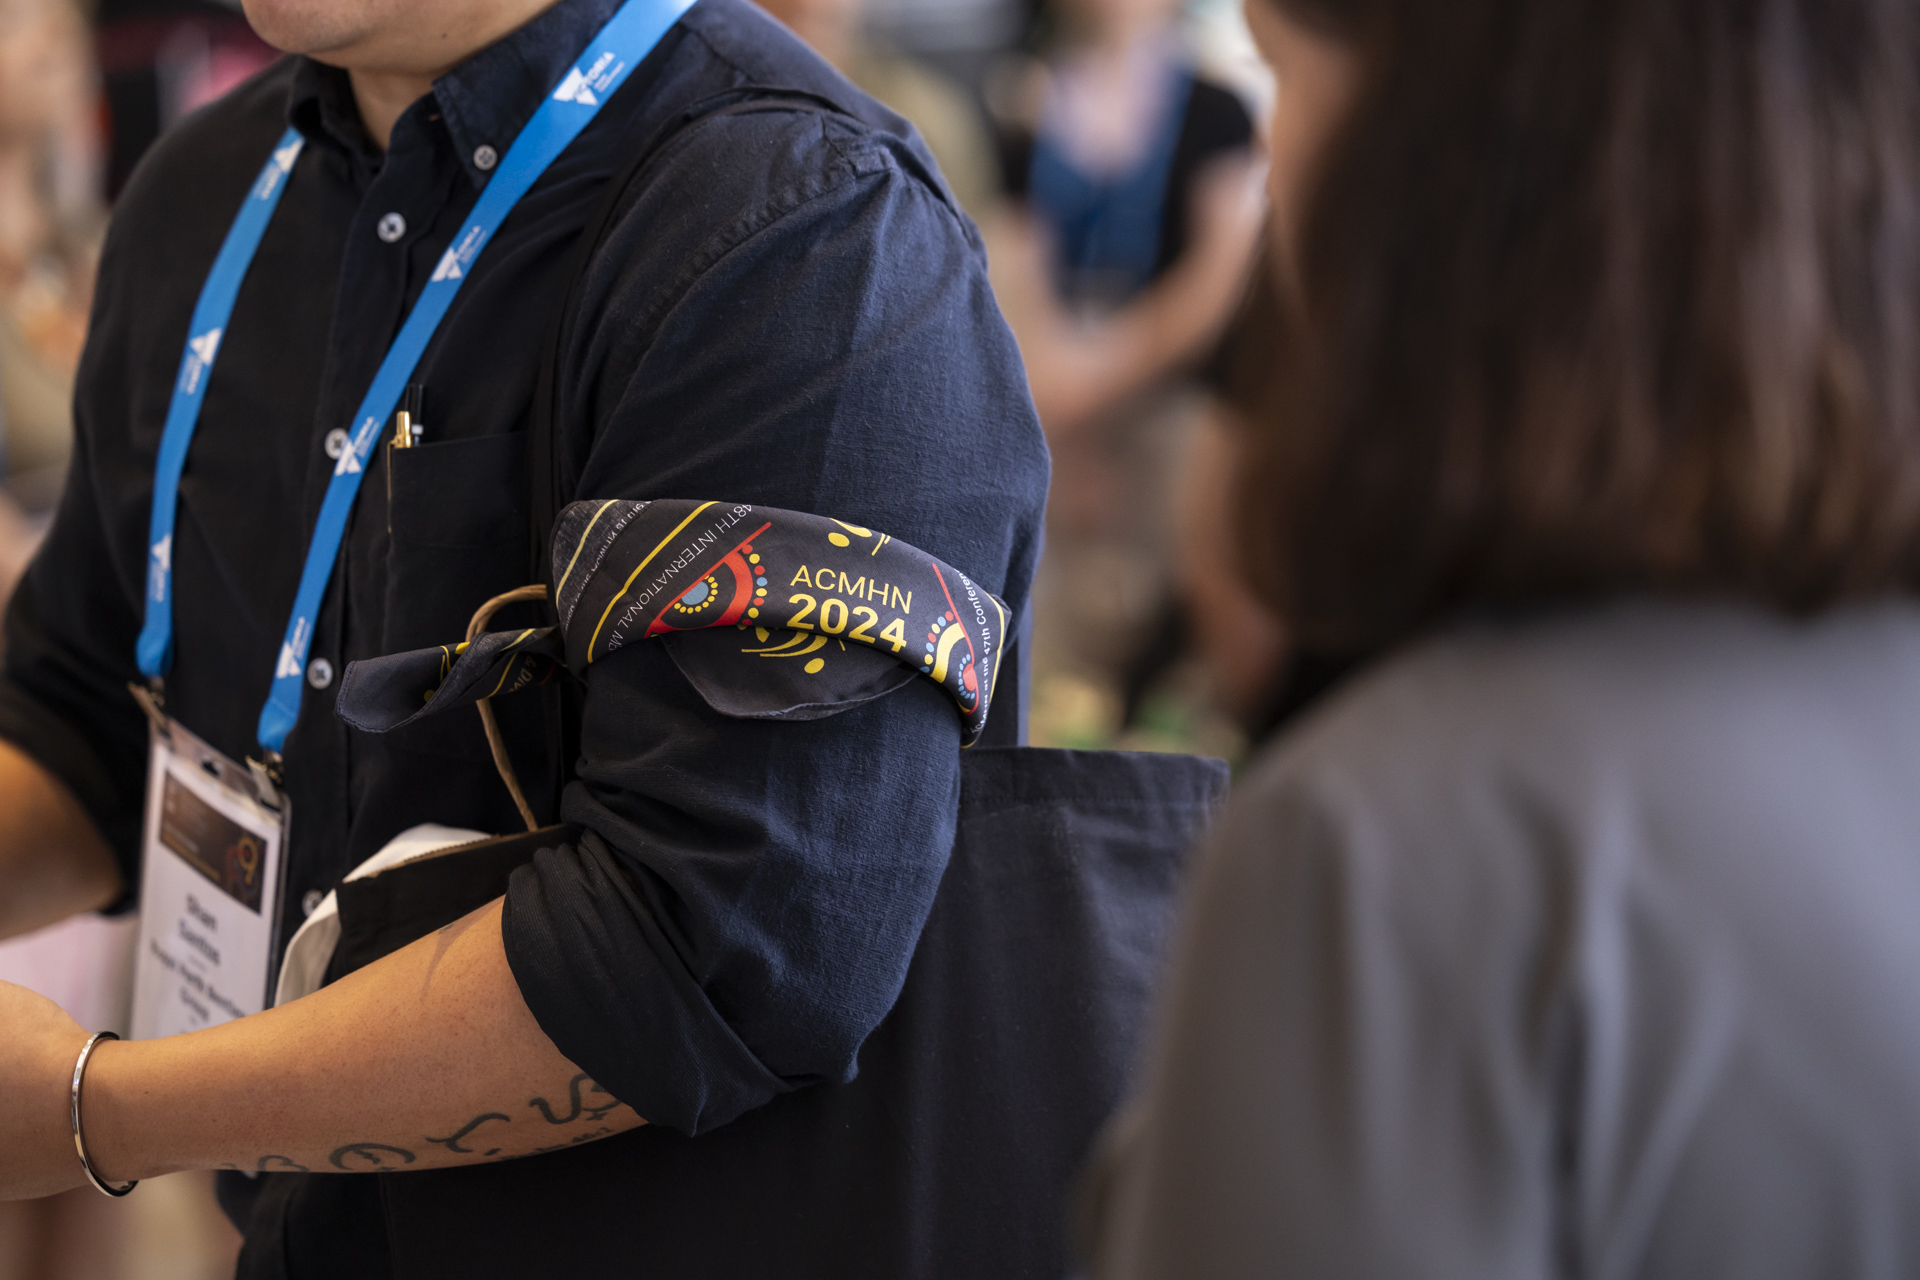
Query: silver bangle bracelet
x: 80, y: 1143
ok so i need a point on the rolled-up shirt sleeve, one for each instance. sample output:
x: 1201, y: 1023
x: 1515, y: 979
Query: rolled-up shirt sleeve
x: 742, y: 909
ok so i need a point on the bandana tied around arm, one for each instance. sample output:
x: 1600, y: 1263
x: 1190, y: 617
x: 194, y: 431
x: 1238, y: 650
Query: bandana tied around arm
x: 802, y: 589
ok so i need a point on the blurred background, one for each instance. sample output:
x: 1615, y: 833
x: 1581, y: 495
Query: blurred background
x: 1106, y: 148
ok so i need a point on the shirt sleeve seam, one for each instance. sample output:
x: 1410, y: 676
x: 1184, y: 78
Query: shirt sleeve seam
x: 845, y: 174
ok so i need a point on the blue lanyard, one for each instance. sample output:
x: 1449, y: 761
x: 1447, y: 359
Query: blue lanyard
x: 622, y: 44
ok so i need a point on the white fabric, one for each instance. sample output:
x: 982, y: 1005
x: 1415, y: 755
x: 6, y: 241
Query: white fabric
x: 84, y: 965
x: 311, y: 949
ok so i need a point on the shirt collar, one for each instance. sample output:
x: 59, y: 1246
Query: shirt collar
x: 320, y: 105
x: 484, y: 102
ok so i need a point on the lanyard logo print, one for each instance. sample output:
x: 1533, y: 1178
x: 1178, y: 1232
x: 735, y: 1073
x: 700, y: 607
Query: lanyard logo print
x: 154, y: 650
x: 590, y: 87
x: 625, y: 41
x: 282, y: 164
x: 200, y: 353
x: 456, y: 260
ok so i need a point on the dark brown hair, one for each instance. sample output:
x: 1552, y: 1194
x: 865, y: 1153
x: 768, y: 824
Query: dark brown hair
x: 1601, y: 296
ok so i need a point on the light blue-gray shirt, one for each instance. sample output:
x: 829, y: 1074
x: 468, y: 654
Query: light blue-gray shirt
x: 1583, y: 947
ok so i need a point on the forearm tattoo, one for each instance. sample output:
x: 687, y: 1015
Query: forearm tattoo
x: 452, y: 1143
x: 366, y: 1157
x: 585, y: 1100
x: 573, y: 1096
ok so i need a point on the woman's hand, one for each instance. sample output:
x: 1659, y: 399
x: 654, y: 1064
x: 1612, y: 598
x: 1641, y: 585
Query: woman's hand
x: 1079, y: 369
x: 38, y: 1046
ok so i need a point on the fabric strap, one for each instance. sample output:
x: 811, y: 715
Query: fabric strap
x: 806, y: 591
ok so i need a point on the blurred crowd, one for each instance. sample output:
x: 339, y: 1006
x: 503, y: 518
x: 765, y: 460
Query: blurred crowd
x: 1110, y: 157
x: 1107, y: 149
x: 84, y: 90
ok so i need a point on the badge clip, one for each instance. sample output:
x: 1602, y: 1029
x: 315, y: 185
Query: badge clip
x: 269, y: 776
x: 152, y: 698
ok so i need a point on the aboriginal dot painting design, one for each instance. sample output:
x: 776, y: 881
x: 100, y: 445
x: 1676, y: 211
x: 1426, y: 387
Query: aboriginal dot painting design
x: 805, y: 587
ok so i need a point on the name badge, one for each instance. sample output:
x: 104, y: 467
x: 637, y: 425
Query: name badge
x: 213, y: 848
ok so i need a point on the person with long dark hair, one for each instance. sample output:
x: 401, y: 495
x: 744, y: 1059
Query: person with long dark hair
x: 1569, y: 931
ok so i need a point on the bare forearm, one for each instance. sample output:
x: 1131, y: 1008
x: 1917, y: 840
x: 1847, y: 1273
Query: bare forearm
x: 53, y: 860
x: 428, y: 1058
x: 1078, y: 374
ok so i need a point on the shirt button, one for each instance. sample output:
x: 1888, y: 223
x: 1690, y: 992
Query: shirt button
x: 337, y: 440
x: 319, y: 673
x: 485, y: 157
x: 392, y: 226
x: 310, y: 901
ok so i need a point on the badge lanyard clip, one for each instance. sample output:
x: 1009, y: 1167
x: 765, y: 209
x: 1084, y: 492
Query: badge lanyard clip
x: 152, y: 697
x: 269, y: 777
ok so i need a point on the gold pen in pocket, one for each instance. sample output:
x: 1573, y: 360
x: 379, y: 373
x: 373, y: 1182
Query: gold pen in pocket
x: 407, y: 422
x: 407, y: 430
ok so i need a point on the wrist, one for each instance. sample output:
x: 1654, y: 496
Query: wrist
x: 115, y: 1113
x: 56, y: 1126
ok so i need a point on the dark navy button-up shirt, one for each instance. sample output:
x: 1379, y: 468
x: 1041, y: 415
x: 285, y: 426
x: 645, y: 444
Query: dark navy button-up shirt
x: 788, y: 310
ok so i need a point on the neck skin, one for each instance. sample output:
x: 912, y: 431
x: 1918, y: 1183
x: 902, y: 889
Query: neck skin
x: 391, y: 50
x: 454, y: 30
x: 382, y: 96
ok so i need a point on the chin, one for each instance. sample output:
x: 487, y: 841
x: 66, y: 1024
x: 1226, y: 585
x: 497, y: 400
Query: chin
x: 314, y: 27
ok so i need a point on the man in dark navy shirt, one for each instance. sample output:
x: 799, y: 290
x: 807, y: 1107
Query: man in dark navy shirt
x: 787, y: 309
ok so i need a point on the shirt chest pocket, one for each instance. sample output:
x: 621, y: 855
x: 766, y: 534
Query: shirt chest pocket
x: 457, y: 535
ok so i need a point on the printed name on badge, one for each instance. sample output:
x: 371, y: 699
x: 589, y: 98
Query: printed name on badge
x: 209, y: 889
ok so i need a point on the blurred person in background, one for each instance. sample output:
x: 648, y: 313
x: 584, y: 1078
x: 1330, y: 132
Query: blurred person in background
x: 954, y: 128
x: 51, y: 220
x: 1216, y: 621
x: 50, y: 223
x: 49, y: 231
x: 1138, y: 195
x: 159, y: 60
x: 1571, y: 933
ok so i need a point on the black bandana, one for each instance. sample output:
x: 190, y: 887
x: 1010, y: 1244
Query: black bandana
x: 807, y: 592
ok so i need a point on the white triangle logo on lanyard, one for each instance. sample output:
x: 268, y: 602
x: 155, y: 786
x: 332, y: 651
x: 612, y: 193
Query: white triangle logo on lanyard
x: 200, y: 353
x: 575, y: 89
x: 160, y: 564
x: 205, y: 346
